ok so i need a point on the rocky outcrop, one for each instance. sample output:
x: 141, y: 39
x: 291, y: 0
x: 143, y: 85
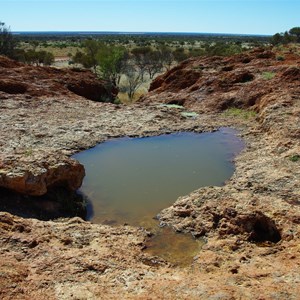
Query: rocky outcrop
x: 66, y: 172
x: 217, y: 83
x: 28, y: 85
x: 250, y: 225
x: 72, y: 258
x: 12, y: 87
x: 259, y: 203
x: 17, y: 78
x: 202, y: 217
x: 39, y: 134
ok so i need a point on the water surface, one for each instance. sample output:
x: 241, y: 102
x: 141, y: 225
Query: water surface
x: 130, y: 180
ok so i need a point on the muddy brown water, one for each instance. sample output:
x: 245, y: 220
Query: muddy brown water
x: 130, y: 180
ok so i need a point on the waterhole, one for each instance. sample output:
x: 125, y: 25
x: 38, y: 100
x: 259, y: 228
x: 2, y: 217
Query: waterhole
x: 130, y: 180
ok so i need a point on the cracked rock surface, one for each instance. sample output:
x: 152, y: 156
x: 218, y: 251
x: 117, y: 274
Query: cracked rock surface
x: 251, y: 225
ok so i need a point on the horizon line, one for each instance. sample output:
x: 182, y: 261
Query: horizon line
x: 134, y: 32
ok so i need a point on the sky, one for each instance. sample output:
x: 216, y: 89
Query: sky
x: 209, y: 16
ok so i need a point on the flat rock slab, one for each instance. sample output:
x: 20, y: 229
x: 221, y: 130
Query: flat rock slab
x: 39, y: 135
x: 250, y: 225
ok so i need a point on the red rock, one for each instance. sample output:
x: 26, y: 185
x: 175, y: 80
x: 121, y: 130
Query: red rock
x: 47, y: 81
x: 218, y: 83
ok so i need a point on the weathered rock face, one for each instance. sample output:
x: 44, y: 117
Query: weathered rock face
x: 58, y: 260
x: 12, y: 87
x: 91, y: 90
x: 67, y: 172
x: 39, y: 134
x: 217, y: 83
x: 17, y: 78
x: 200, y: 217
x: 29, y: 84
x: 250, y: 225
x: 259, y: 203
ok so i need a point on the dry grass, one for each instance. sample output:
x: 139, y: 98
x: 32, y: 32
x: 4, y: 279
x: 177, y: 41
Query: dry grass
x: 142, y: 90
x: 123, y: 97
x: 60, y: 52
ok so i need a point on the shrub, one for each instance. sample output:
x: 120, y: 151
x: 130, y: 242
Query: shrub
x: 268, y: 75
x: 294, y: 158
x: 7, y: 42
x: 238, y: 112
x: 280, y: 58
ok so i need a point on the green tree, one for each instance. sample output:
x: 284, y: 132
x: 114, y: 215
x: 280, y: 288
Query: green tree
x: 179, y: 54
x: 111, y: 61
x: 78, y: 58
x: 222, y: 49
x: 33, y: 57
x: 291, y: 36
x: 44, y: 57
x: 287, y: 38
x: 106, y: 61
x: 276, y: 39
x: 7, y: 42
x: 34, y: 44
x: 88, y: 58
x: 295, y: 32
x: 91, y: 48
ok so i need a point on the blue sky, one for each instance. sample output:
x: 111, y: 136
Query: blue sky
x: 213, y: 16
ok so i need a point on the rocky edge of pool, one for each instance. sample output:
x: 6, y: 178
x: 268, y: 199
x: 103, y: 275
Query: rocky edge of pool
x: 250, y: 225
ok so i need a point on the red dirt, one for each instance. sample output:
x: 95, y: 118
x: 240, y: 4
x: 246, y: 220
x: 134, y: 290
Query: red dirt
x: 32, y: 81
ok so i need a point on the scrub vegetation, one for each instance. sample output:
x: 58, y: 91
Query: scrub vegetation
x: 129, y: 61
x: 295, y: 158
x: 241, y: 113
x: 268, y: 75
x: 291, y: 36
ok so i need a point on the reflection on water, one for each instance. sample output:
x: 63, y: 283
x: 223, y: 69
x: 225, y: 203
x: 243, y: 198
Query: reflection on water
x: 132, y: 180
x: 176, y: 248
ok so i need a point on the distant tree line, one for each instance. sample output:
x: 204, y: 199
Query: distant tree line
x: 145, y: 39
x: 140, y: 63
x: 110, y: 62
x: 34, y: 57
x: 134, y: 58
x: 291, y: 36
x: 7, y: 42
x: 8, y: 47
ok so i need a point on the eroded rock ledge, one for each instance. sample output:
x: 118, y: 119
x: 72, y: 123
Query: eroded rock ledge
x: 42, y: 175
x: 25, y: 167
x: 251, y: 224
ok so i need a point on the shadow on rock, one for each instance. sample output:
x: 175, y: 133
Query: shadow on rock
x: 59, y: 202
